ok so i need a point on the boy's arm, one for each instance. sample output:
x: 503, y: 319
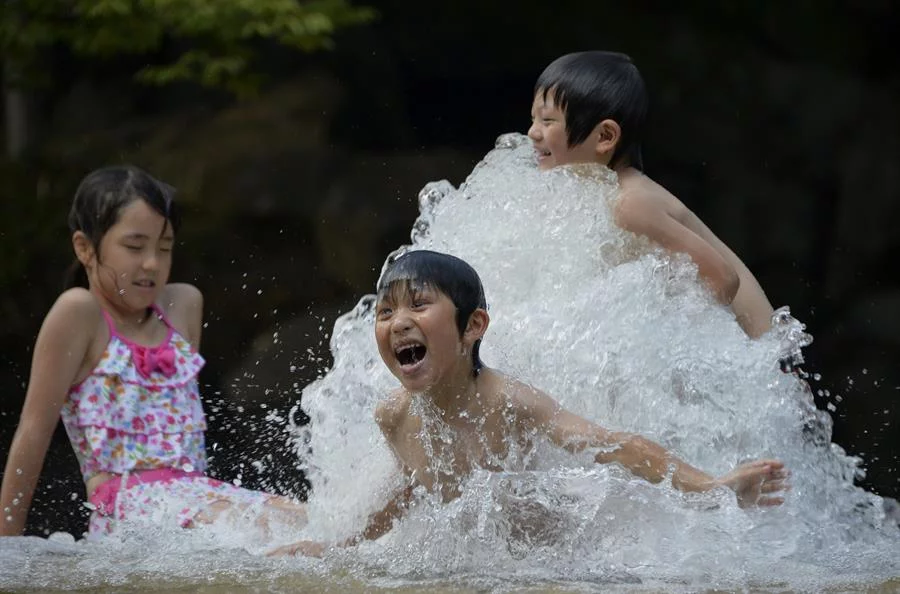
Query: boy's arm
x: 379, y: 524
x: 388, y: 415
x: 751, y: 306
x: 59, y: 354
x: 751, y: 482
x: 642, y: 214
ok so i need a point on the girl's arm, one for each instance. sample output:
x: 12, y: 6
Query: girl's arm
x: 753, y: 483
x: 59, y: 355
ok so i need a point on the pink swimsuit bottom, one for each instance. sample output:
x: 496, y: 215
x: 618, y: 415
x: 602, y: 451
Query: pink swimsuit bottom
x: 163, y: 497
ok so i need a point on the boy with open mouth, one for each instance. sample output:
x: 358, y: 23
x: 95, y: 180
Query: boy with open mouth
x: 431, y: 316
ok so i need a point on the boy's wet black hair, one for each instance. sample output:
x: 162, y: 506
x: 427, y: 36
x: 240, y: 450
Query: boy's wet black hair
x: 448, y: 274
x: 589, y: 87
x: 100, y: 198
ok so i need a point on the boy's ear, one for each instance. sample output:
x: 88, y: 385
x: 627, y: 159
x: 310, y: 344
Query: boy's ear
x: 477, y: 326
x: 608, y: 134
x: 84, y: 249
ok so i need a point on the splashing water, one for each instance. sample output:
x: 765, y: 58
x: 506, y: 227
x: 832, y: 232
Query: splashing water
x: 619, y: 332
x: 625, y: 335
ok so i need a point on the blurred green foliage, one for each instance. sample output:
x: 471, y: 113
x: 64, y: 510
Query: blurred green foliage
x: 214, y: 40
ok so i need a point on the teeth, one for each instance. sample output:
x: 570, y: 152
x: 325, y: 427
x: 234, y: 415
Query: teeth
x: 406, y: 347
x: 410, y: 354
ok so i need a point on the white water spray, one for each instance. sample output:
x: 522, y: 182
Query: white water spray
x: 624, y: 334
x: 620, y: 333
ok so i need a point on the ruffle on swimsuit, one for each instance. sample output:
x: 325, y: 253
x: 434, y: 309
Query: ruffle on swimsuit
x: 139, y: 408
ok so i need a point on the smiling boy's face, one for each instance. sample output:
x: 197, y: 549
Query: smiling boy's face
x: 417, y: 336
x: 551, y: 143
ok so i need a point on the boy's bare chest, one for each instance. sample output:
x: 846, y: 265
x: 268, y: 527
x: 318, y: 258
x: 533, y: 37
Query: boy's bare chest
x: 441, y: 454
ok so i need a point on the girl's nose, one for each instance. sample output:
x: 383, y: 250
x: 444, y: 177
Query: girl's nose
x: 151, y: 262
x: 534, y: 132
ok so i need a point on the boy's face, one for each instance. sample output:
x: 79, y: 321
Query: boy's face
x: 417, y: 336
x: 548, y: 132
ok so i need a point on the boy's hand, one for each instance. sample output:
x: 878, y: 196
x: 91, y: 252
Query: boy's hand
x: 754, y: 483
x: 307, y: 548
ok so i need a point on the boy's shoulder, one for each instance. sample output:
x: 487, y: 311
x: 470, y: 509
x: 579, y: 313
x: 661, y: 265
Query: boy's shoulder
x: 390, y: 412
x: 641, y: 199
x: 502, y: 391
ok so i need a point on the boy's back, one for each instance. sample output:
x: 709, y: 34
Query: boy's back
x: 590, y: 107
x: 647, y: 208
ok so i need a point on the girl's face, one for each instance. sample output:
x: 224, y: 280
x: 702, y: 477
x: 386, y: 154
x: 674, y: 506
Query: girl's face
x: 135, y: 258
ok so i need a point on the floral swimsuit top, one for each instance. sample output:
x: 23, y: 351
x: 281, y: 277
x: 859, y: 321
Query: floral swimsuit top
x: 139, y: 408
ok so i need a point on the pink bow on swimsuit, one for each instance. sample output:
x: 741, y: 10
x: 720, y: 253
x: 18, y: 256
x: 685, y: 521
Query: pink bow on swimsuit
x: 148, y: 360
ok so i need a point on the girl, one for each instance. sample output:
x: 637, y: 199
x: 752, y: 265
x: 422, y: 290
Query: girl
x: 118, y: 361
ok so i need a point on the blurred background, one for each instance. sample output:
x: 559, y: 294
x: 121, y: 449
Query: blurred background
x: 299, y: 135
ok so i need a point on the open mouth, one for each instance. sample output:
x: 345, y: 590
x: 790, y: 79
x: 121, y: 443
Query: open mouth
x: 410, y: 354
x: 145, y: 284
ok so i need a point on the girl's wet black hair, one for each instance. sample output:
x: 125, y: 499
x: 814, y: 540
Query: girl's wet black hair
x: 589, y: 87
x: 449, y: 275
x: 102, y: 195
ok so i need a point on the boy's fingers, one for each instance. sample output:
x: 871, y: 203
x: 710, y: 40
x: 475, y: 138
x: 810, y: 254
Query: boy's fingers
x: 769, y: 501
x: 772, y: 486
x: 771, y: 463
